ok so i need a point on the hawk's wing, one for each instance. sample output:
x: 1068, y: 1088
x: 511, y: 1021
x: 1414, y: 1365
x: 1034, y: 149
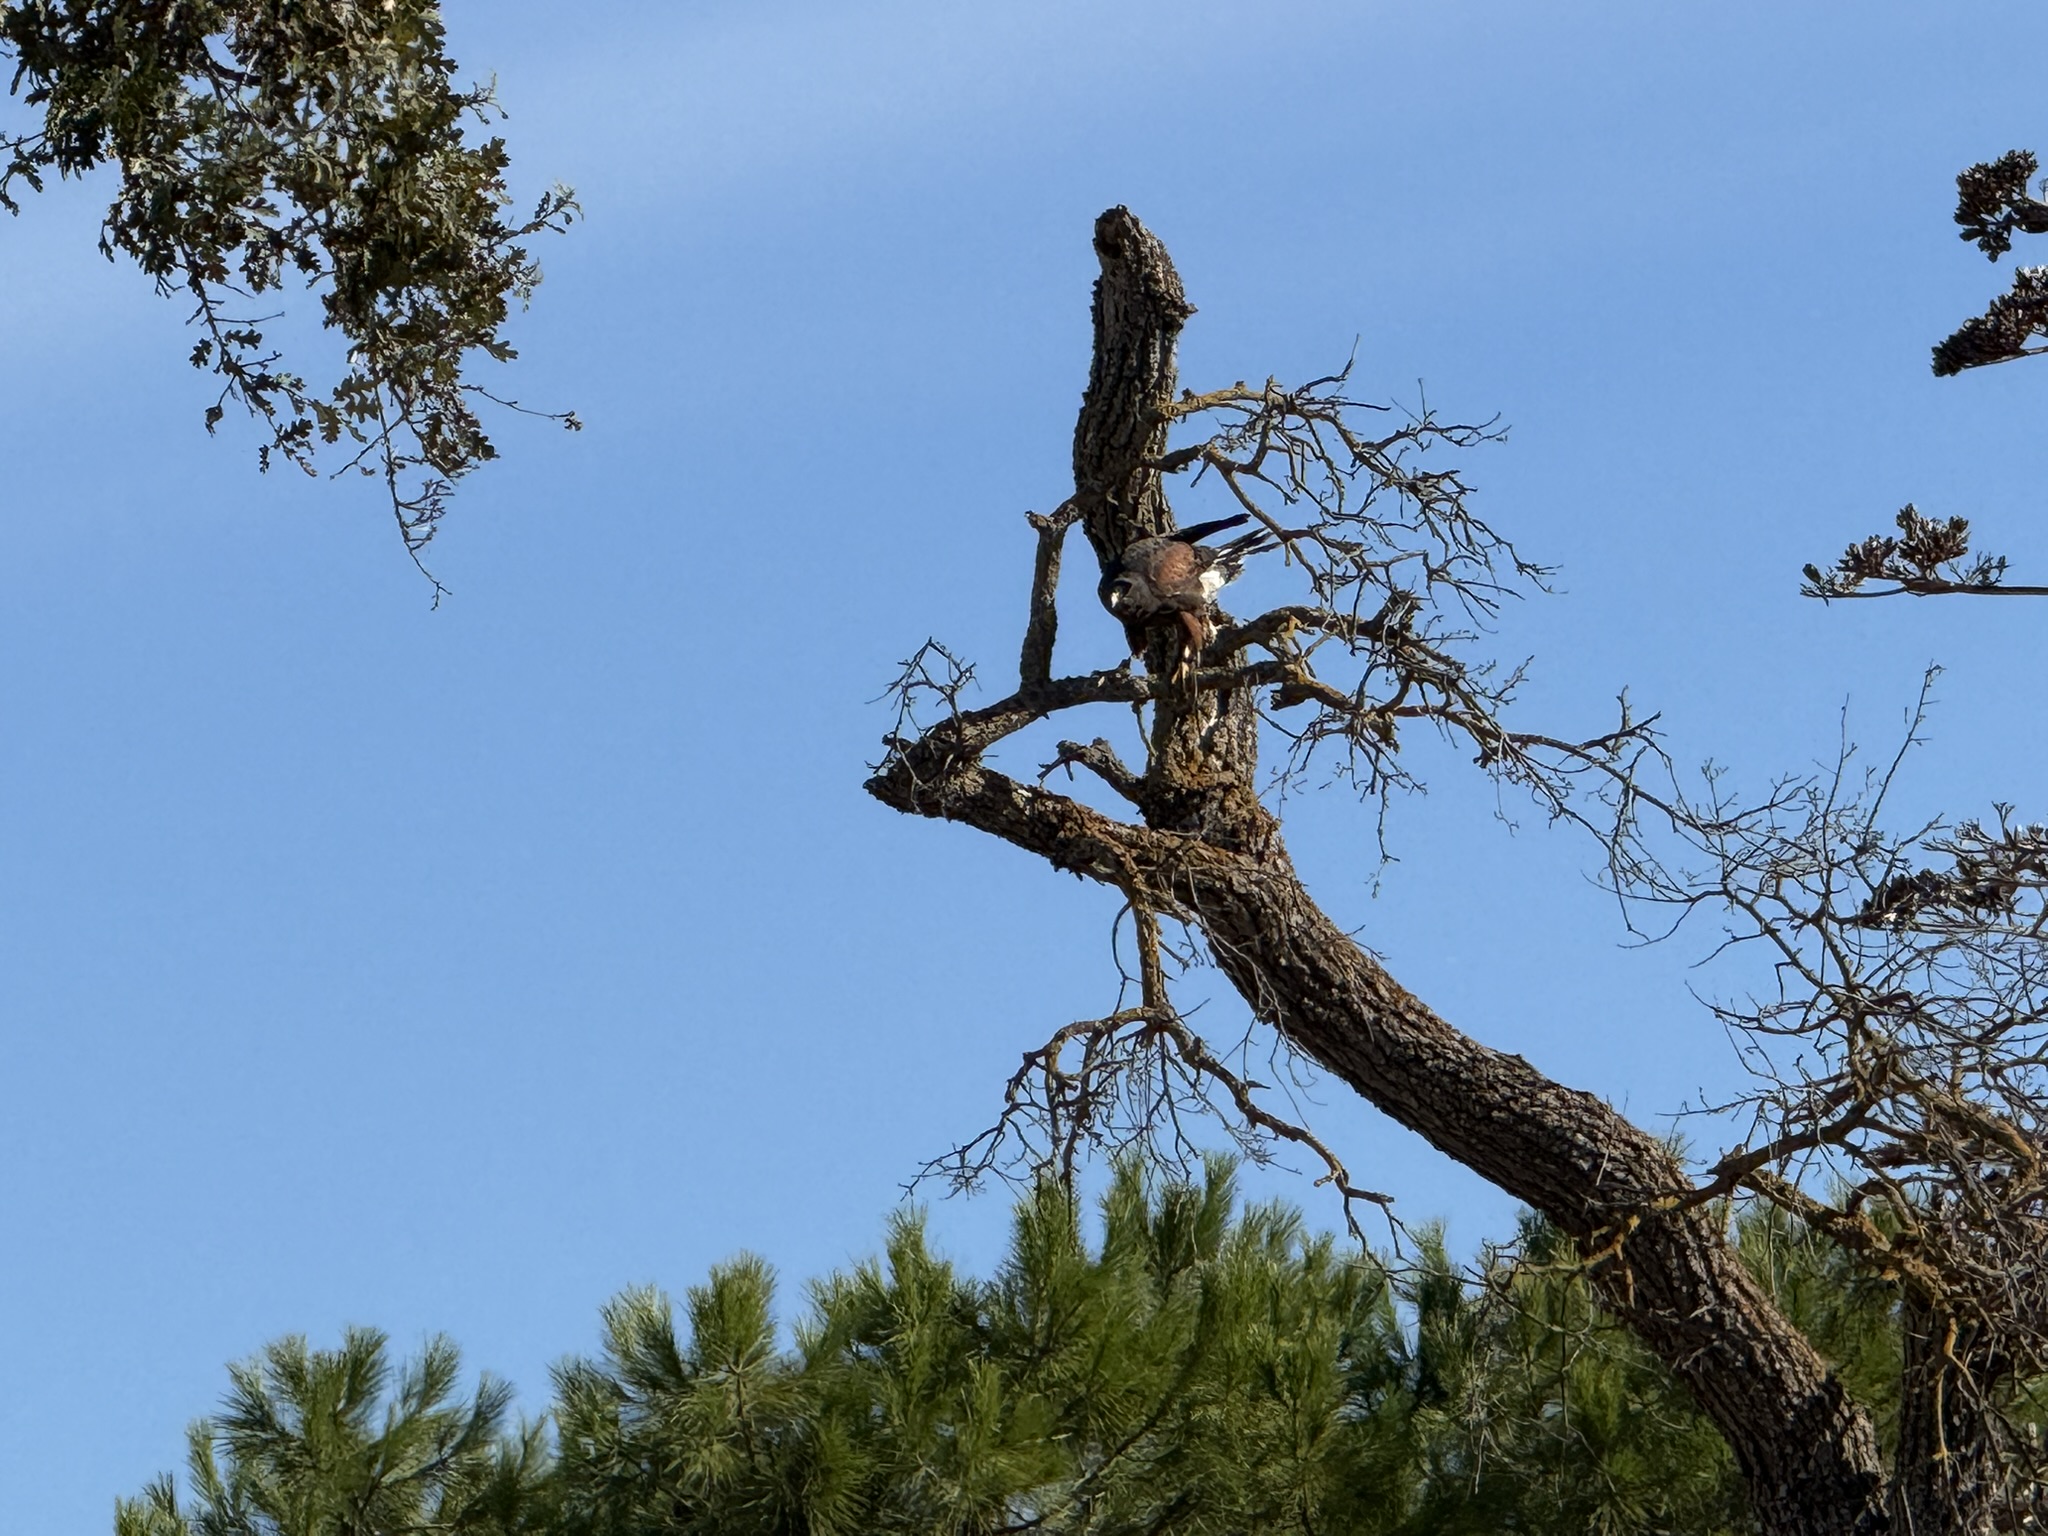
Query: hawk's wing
x: 1174, y: 571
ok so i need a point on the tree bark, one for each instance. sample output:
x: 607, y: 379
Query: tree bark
x: 1211, y: 854
x: 1807, y: 1453
x: 1949, y: 1477
x: 1204, y: 746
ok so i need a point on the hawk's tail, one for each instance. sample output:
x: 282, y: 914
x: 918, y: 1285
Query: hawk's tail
x: 1230, y: 558
x: 1201, y: 531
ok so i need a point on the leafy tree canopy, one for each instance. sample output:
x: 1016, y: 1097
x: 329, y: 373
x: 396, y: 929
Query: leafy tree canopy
x: 324, y: 143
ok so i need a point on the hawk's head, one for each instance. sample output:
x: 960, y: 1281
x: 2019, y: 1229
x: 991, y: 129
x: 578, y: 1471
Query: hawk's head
x: 1127, y: 594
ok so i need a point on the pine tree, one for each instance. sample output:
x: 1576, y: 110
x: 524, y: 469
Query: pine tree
x: 321, y: 1443
x: 1197, y: 1367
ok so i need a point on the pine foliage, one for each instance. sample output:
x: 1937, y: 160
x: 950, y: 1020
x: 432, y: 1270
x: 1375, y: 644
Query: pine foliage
x: 326, y: 1443
x: 1196, y: 1367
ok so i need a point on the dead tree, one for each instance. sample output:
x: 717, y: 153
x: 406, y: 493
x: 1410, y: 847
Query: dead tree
x: 1399, y: 568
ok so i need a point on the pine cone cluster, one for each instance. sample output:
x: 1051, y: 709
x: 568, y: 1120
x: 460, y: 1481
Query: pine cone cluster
x: 2003, y: 330
x: 1992, y: 201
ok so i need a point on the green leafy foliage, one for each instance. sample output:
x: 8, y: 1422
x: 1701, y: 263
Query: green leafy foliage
x: 1198, y: 1368
x: 262, y: 143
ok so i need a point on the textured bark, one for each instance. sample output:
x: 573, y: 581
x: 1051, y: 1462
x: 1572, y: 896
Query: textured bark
x: 1210, y: 853
x: 1139, y: 310
x: 1949, y: 1478
x: 1808, y: 1454
x: 1204, y: 746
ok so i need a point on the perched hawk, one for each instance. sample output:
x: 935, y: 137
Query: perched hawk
x: 1175, y: 573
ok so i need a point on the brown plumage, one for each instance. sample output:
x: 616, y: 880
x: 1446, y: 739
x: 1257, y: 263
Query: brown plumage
x: 1175, y: 573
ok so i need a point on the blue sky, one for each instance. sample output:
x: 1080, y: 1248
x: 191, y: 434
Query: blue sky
x: 451, y: 970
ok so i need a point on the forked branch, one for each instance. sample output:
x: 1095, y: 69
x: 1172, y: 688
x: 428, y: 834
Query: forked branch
x: 1404, y: 579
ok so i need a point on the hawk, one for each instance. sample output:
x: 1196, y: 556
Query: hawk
x: 1176, y: 573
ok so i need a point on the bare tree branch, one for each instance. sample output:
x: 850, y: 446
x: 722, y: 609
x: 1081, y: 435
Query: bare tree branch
x: 1896, y: 1028
x: 1404, y: 577
x: 1035, y: 666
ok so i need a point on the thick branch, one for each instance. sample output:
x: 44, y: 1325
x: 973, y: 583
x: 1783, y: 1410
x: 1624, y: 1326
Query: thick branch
x: 1140, y: 308
x: 1268, y: 629
x: 1100, y: 759
x: 1209, y: 855
x: 1035, y: 665
x: 1067, y: 834
x: 1671, y: 1275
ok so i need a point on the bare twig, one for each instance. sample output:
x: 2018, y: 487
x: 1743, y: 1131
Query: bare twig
x: 1897, y: 1037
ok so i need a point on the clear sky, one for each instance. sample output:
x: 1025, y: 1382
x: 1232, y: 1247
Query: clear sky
x: 451, y: 970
